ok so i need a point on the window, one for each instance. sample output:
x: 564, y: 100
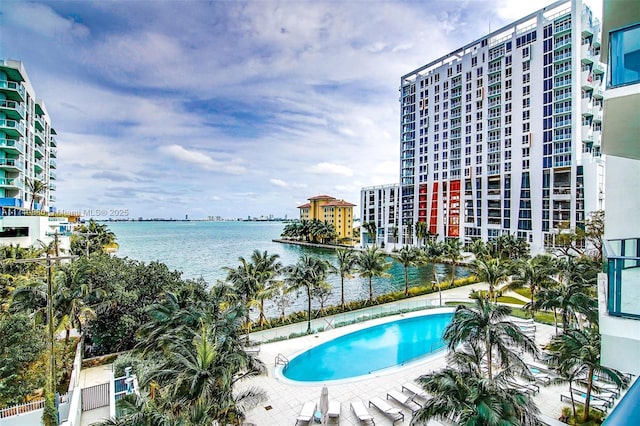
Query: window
x: 474, y: 61
x: 526, y: 78
x: 526, y: 127
x: 623, y: 57
x: 526, y: 66
x: 526, y: 114
x: 508, y: 72
x: 526, y: 102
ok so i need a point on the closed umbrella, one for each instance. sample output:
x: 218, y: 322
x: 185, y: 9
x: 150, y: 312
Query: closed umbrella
x: 324, y: 403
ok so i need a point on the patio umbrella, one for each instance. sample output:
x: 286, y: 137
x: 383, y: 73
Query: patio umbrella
x: 324, y: 403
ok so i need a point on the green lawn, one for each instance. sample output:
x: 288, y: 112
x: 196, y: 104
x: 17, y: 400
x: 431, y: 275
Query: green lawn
x: 525, y: 291
x: 512, y: 300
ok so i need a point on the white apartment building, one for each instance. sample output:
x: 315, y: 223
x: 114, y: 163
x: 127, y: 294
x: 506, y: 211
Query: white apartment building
x: 380, y: 204
x: 619, y: 292
x: 27, y: 155
x: 503, y: 135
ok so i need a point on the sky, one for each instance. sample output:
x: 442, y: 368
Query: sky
x: 229, y: 108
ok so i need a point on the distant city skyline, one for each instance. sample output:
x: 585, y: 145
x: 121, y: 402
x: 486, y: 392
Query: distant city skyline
x: 230, y: 109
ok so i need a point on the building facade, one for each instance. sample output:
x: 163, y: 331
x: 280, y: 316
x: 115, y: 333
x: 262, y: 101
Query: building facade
x: 27, y: 161
x: 502, y: 136
x: 619, y: 292
x: 328, y: 209
x: 27, y: 144
x: 381, y: 205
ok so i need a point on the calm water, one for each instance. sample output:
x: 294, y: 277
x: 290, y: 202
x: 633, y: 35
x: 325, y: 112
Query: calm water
x: 371, y: 349
x: 203, y: 249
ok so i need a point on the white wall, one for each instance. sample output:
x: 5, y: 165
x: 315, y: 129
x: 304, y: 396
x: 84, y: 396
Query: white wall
x: 623, y: 198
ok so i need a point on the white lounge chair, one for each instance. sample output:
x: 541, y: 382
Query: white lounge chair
x: 361, y: 412
x: 528, y: 387
x: 415, y: 390
x: 405, y: 400
x: 334, y: 409
x: 306, y: 413
x: 394, y: 414
x: 597, y: 404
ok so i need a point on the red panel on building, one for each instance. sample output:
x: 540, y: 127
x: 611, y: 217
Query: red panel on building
x: 454, y: 209
x: 422, y: 203
x: 433, y: 218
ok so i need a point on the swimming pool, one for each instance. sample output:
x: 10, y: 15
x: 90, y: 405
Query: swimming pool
x: 369, y: 350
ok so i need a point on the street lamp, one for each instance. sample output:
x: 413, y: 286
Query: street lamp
x: 435, y: 274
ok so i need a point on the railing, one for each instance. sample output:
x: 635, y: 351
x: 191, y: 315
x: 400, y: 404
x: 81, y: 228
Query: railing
x: 623, y: 273
x: 12, y: 85
x: 12, y: 124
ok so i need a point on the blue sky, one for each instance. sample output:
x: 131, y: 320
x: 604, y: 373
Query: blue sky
x: 167, y: 108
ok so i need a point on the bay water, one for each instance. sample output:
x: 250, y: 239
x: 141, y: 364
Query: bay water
x: 203, y: 249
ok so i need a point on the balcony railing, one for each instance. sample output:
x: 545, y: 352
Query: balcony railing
x: 623, y: 272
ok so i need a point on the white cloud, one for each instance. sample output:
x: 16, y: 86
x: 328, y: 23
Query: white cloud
x: 282, y: 184
x: 42, y: 19
x: 201, y: 159
x: 330, y: 168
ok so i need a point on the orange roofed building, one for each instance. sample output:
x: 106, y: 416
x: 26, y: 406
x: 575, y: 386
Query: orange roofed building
x: 328, y: 209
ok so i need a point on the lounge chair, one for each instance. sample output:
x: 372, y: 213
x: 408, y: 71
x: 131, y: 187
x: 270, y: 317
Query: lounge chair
x: 334, y: 409
x: 528, y: 387
x: 550, y: 421
x: 394, y: 414
x: 361, y: 412
x: 603, y: 395
x: 405, y: 400
x: 415, y: 390
x: 596, y: 404
x: 306, y: 413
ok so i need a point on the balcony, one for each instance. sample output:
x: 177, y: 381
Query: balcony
x: 52, y: 140
x: 13, y: 91
x: 11, y: 164
x: 12, y: 127
x: 38, y: 137
x: 54, y: 153
x: 586, y: 54
x: 38, y: 165
x: 12, y: 109
x: 38, y: 152
x: 52, y: 164
x: 15, y: 146
x: 38, y: 122
x: 9, y: 183
x: 587, y: 80
x: 623, y: 272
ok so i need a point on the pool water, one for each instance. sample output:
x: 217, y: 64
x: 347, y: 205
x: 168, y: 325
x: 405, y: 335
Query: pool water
x: 371, y: 349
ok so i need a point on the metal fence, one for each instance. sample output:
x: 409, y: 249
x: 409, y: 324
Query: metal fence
x: 95, y: 397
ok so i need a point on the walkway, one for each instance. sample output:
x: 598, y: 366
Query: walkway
x: 91, y: 377
x: 285, y: 398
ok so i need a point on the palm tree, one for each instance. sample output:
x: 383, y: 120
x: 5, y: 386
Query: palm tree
x: 244, y: 279
x: 201, y: 374
x: 394, y: 235
x: 486, y: 324
x: 372, y: 263
x: 93, y: 237
x: 533, y: 273
x: 372, y: 231
x: 470, y: 399
x: 308, y: 273
x: 578, y: 351
x: 346, y: 264
x: 452, y: 252
x: 267, y: 268
x: 422, y: 231
x: 479, y: 248
x: 35, y: 188
x: 492, y: 271
x: 408, y: 256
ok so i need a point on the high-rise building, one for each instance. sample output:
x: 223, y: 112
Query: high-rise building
x: 502, y: 136
x: 27, y: 162
x: 27, y: 144
x: 619, y: 289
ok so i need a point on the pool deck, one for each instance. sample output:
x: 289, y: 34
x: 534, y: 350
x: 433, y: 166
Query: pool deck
x: 286, y: 398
